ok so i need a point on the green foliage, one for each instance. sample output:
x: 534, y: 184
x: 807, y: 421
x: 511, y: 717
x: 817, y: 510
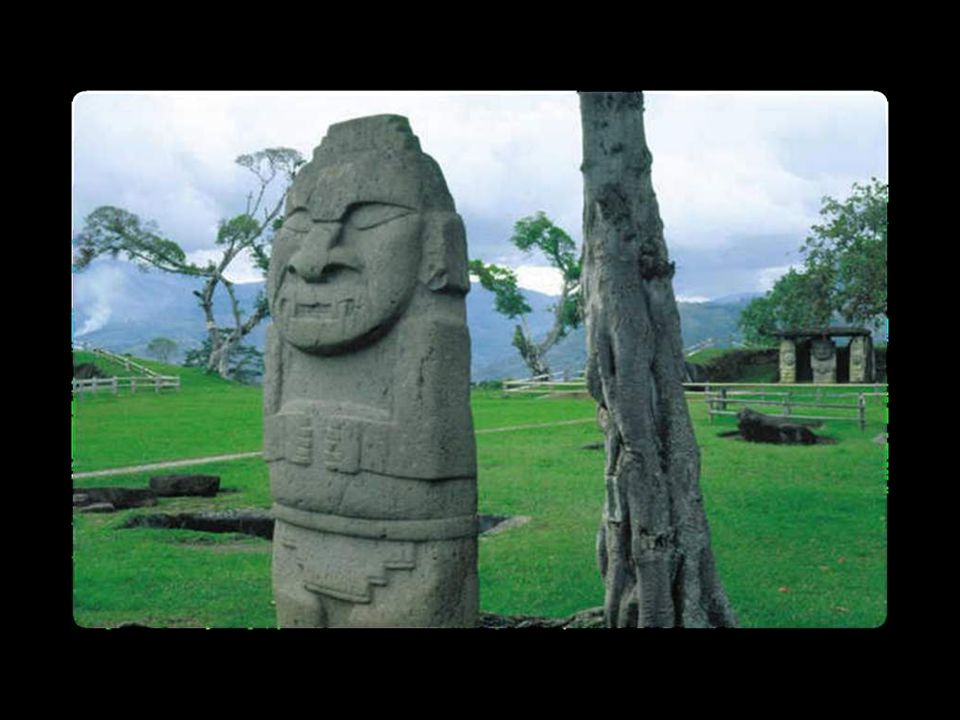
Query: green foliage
x: 245, y: 362
x: 797, y: 300
x: 162, y: 348
x: 844, y: 273
x: 114, y: 231
x: 850, y: 248
x: 537, y: 232
x: 742, y: 366
x: 241, y: 229
x: 502, y: 282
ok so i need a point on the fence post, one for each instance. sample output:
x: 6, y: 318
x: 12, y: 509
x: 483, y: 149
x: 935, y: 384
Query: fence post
x: 709, y: 396
x: 786, y: 403
x: 723, y: 398
x: 862, y: 408
x: 116, y: 387
x: 133, y: 386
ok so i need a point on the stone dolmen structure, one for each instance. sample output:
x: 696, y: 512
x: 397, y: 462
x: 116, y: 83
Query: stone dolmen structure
x: 811, y: 355
x: 367, y: 424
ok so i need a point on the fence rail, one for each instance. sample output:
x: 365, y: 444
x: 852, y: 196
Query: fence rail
x: 564, y: 384
x: 115, y: 384
x: 127, y: 363
x: 789, y: 396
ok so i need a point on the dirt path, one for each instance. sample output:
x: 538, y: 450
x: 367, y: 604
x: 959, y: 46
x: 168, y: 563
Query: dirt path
x: 164, y: 465
x: 242, y: 456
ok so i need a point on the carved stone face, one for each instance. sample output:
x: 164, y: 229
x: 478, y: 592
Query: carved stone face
x: 822, y: 350
x: 343, y: 283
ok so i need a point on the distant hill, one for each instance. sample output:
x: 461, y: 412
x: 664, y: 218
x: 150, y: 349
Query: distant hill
x: 125, y: 314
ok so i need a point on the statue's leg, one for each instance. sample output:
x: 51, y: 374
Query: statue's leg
x: 296, y: 606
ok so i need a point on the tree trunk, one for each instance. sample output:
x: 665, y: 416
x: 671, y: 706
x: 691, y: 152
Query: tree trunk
x: 653, y: 546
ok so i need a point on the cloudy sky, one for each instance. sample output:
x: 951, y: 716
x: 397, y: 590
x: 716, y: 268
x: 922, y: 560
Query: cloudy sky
x: 739, y: 176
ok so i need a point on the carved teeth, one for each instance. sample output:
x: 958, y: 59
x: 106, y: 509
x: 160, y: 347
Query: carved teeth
x: 326, y: 310
x: 319, y: 310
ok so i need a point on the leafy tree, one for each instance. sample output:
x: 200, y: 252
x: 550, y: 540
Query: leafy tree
x: 797, y: 300
x: 244, y: 363
x: 844, y: 273
x: 850, y: 249
x: 162, y: 348
x: 536, y: 232
x: 114, y: 231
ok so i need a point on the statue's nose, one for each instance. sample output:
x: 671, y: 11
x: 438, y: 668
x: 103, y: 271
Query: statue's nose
x: 313, y: 256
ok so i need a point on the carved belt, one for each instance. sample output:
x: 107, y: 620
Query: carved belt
x: 349, y: 444
x: 399, y: 530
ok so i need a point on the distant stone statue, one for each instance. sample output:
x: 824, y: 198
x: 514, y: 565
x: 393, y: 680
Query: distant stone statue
x: 367, y: 424
x: 823, y: 361
x: 788, y: 360
x: 861, y: 359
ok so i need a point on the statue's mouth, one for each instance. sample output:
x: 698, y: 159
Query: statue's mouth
x: 319, y: 310
x: 316, y: 310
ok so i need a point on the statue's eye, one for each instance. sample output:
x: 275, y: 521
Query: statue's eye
x: 298, y: 221
x: 369, y: 215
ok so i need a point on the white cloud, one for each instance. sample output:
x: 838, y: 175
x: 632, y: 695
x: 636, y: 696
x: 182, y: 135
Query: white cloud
x: 767, y: 277
x: 241, y: 270
x: 540, y: 278
x: 727, y: 166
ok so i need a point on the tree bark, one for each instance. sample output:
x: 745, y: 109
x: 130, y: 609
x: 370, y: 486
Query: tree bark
x: 653, y: 546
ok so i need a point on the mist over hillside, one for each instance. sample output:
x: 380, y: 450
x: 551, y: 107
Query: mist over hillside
x: 126, y: 308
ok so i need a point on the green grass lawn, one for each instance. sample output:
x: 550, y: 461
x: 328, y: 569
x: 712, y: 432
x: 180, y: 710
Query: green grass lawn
x: 799, y: 533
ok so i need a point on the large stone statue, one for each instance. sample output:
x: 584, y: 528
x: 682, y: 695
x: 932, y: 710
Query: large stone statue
x: 367, y: 424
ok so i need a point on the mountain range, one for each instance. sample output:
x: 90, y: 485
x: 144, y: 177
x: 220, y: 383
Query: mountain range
x: 126, y: 312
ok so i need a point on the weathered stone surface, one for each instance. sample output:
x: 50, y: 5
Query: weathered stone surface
x: 367, y: 424
x: 653, y: 546
x: 788, y: 361
x: 823, y: 361
x: 758, y: 427
x: 185, y: 485
x: 861, y: 359
x: 120, y: 497
x: 100, y: 507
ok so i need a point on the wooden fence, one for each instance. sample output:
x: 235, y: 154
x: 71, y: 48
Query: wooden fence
x: 116, y: 384
x: 127, y: 363
x: 556, y: 383
x: 789, y: 398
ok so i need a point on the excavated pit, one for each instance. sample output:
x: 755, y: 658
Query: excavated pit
x: 259, y: 523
